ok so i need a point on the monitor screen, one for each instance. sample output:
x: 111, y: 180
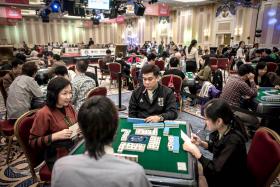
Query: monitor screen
x: 99, y: 4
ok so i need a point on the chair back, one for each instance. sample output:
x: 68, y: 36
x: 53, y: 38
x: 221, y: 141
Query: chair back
x: 223, y: 63
x: 3, y: 72
x: 177, y: 82
x: 97, y: 91
x: 102, y: 66
x: 160, y: 64
x: 271, y: 67
x: 213, y: 63
x: 133, y: 72
x: 263, y: 158
x: 22, y: 131
x: 3, y: 91
x: 114, y: 69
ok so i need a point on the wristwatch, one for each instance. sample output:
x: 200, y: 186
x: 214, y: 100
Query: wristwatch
x: 161, y: 118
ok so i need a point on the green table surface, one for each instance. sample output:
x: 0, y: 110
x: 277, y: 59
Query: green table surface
x: 262, y: 91
x: 161, y: 162
x: 189, y: 75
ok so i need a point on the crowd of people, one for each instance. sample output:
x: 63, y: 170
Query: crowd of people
x: 66, y: 103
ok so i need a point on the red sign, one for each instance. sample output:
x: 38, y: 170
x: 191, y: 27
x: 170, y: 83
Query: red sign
x: 151, y: 10
x: 13, y: 13
x: 120, y: 19
x: 163, y: 10
x: 17, y: 1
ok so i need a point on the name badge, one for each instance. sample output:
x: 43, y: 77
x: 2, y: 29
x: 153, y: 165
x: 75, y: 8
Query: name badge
x: 160, y: 101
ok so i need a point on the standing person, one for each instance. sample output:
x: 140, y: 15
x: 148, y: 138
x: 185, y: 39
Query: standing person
x: 90, y: 43
x: 81, y: 84
x: 240, y: 53
x: 98, y: 121
x: 192, y: 61
x: 252, y: 52
x: 160, y: 48
x: 226, y: 142
x: 50, y: 131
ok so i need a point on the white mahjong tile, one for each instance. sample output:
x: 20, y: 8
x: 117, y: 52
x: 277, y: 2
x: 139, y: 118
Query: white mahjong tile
x: 181, y: 166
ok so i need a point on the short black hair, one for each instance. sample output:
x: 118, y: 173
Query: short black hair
x: 108, y: 51
x: 245, y: 69
x: 21, y: 57
x: 82, y: 66
x: 49, y: 54
x: 29, y: 69
x: 61, y: 70
x: 151, y: 56
x: 150, y: 68
x: 268, y: 51
x: 16, y: 62
x: 174, y: 62
x: 54, y: 87
x: 98, y: 120
x: 56, y: 57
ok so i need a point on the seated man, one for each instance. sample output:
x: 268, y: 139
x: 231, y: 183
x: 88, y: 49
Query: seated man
x: 22, y: 90
x: 174, y: 69
x: 81, y: 84
x: 236, y: 89
x: 16, y: 71
x: 152, y: 101
x: 98, y: 121
x: 108, y: 58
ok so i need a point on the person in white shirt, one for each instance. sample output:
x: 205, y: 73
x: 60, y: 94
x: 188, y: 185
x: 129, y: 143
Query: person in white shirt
x: 192, y: 60
x: 98, y: 121
x: 240, y: 54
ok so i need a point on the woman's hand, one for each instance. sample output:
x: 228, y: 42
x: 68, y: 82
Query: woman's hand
x: 193, y: 149
x: 62, y: 135
x: 195, y: 139
x: 277, y: 87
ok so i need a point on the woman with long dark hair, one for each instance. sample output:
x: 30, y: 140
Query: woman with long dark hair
x: 226, y: 142
x: 264, y: 78
x: 192, y: 61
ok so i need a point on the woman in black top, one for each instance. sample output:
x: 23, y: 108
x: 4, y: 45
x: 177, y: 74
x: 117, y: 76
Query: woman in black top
x: 226, y: 142
x: 264, y: 78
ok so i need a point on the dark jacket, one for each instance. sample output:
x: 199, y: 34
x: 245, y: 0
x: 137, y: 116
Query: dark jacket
x: 229, y: 160
x: 164, y: 103
x: 270, y: 79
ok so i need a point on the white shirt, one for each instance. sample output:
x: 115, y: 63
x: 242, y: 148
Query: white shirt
x: 107, y: 171
x: 193, y: 55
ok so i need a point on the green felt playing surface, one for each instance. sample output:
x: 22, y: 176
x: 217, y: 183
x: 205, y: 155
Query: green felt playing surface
x: 189, y: 75
x: 161, y: 160
x: 267, y: 92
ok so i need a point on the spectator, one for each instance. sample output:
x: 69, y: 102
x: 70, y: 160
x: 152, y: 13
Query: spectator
x: 16, y: 71
x: 81, y: 84
x: 22, y: 90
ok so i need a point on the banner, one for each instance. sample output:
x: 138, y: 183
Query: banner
x: 160, y: 9
x: 163, y: 10
x: 26, y: 2
x: 10, y: 13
